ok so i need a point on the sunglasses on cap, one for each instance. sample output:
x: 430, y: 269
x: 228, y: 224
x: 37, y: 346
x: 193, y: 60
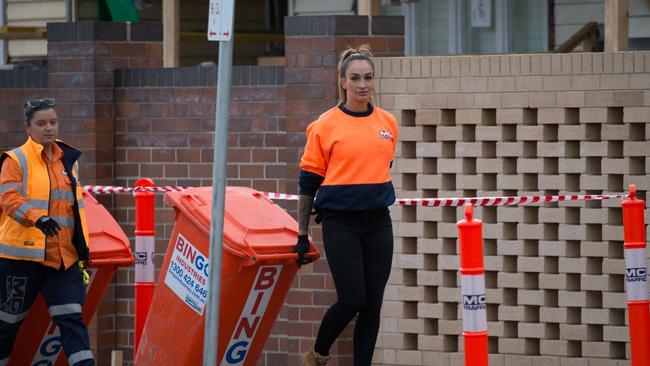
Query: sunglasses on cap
x: 38, y: 103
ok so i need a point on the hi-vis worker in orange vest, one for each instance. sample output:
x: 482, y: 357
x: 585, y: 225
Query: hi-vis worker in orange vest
x: 43, y: 235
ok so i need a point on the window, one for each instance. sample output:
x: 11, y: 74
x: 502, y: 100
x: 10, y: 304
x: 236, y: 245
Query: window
x: 473, y: 26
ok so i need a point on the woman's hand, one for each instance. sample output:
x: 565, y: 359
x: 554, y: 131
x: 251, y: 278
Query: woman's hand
x: 302, y: 247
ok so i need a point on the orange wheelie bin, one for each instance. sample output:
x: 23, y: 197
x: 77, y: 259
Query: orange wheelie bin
x: 38, y: 341
x: 258, y: 267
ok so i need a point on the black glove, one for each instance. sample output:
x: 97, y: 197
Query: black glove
x: 301, y: 248
x: 47, y: 225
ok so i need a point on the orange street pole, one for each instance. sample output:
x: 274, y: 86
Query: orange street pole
x: 636, y: 280
x: 145, y: 233
x: 472, y: 273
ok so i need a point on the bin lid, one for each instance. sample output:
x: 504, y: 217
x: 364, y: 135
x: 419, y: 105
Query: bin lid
x: 254, y: 226
x: 109, y: 245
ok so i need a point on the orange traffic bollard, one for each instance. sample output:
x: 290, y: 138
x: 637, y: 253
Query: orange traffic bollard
x: 144, y: 248
x: 636, y: 280
x: 472, y: 273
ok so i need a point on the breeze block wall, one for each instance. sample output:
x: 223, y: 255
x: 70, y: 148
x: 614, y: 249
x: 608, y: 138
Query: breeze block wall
x: 512, y: 125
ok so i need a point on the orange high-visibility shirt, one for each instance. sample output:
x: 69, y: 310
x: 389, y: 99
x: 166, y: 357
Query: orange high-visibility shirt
x: 347, y: 159
x: 59, y: 248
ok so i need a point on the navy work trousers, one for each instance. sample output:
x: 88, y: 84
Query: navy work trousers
x: 64, y: 293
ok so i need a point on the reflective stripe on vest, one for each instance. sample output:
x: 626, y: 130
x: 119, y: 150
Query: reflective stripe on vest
x: 9, y: 186
x: 59, y: 194
x: 24, y: 168
x: 64, y: 221
x: 26, y: 253
x: 39, y: 204
x: 21, y: 211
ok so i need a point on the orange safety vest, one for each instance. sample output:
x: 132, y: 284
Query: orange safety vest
x: 28, y: 243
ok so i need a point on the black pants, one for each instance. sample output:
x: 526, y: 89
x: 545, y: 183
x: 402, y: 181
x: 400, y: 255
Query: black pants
x: 64, y: 293
x: 359, y: 249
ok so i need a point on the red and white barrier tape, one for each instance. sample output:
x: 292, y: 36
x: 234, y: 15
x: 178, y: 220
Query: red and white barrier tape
x: 116, y: 189
x: 503, y: 201
x: 427, y: 202
x: 281, y: 196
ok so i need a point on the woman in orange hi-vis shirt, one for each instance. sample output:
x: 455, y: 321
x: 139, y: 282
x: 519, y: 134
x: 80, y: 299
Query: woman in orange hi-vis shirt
x: 43, y: 235
x: 345, y: 166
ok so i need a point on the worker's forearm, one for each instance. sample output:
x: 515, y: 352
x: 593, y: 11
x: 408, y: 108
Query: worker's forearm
x: 305, y: 205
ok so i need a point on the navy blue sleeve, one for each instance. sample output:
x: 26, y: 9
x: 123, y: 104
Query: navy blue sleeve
x: 309, y: 183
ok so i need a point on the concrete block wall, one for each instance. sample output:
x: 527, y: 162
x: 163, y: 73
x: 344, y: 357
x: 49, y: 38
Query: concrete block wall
x: 513, y: 125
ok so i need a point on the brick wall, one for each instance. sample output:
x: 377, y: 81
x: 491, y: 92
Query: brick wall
x: 164, y: 126
x: 515, y: 125
x: 16, y: 87
x: 81, y: 61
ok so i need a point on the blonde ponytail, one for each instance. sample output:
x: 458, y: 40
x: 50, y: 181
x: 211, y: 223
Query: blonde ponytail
x: 360, y: 53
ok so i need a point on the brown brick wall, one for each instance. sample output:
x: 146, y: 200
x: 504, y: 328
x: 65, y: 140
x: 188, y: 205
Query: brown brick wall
x: 81, y: 61
x: 515, y: 125
x: 16, y: 87
x: 11, y: 114
x: 165, y: 133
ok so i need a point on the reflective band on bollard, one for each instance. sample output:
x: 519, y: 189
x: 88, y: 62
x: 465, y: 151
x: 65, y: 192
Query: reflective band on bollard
x: 145, y: 234
x: 474, y: 304
x: 472, y: 272
x: 144, y: 267
x: 636, y: 279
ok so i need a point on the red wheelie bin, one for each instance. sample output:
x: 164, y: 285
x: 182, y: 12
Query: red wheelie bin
x: 258, y: 268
